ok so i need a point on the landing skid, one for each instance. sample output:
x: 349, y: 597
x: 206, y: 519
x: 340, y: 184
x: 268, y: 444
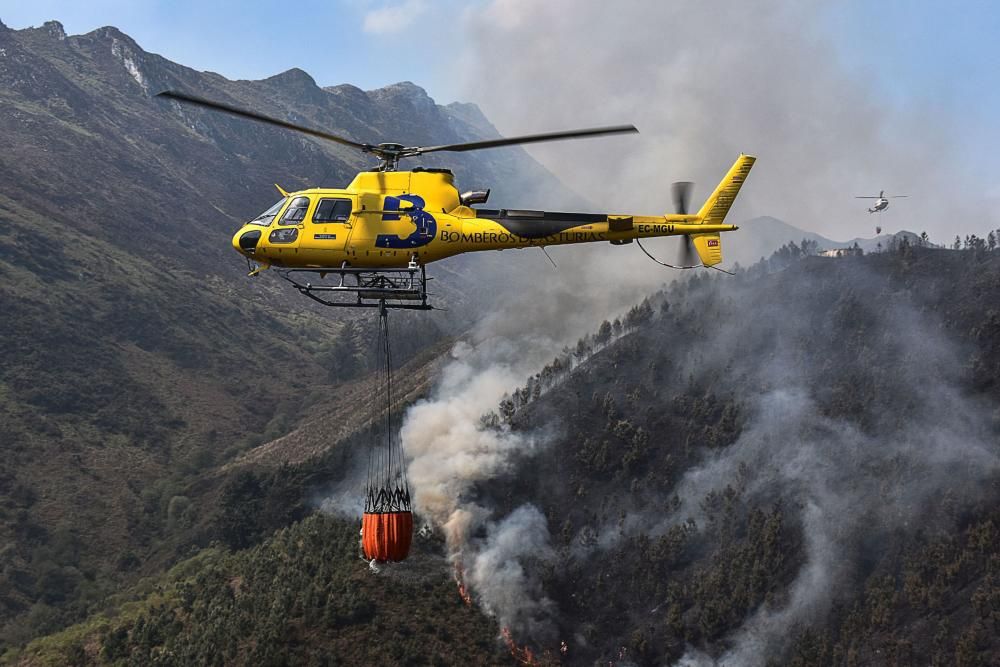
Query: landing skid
x: 363, y: 288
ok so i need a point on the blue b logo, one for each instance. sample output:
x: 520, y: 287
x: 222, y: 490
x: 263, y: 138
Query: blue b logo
x: 425, y: 222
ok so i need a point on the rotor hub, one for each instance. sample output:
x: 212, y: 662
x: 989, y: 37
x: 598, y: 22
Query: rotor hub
x: 389, y: 155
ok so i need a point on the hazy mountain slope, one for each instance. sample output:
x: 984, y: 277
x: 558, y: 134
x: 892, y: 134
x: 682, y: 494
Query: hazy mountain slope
x: 757, y: 238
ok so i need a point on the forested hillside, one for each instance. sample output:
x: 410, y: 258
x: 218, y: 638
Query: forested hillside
x: 798, y: 467
x: 795, y: 465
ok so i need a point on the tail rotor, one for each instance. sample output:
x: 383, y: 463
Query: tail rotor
x: 701, y: 245
x: 681, y: 192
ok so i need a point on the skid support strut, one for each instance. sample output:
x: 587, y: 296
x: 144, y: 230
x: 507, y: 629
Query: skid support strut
x: 349, y: 287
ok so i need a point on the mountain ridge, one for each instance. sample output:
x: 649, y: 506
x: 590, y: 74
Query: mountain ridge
x: 758, y: 237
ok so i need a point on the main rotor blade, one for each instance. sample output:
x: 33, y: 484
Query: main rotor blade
x: 867, y: 197
x: 898, y: 196
x: 529, y: 139
x: 219, y: 106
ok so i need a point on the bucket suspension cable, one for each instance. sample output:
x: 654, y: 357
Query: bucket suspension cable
x: 387, y: 526
x: 388, y: 490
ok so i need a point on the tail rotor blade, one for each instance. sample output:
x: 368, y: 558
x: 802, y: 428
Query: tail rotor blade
x: 681, y: 192
x: 686, y: 253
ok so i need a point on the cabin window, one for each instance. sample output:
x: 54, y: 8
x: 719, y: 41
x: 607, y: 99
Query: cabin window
x: 283, y: 236
x: 265, y: 218
x: 296, y: 212
x: 333, y: 210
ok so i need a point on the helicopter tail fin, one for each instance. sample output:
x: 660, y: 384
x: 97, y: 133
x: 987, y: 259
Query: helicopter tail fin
x: 719, y: 202
x: 713, y: 212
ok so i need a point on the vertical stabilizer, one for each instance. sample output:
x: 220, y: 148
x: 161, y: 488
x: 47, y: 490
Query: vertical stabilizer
x: 718, y: 204
x: 709, y: 246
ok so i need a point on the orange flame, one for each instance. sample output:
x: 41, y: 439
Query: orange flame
x: 463, y: 591
x: 524, y: 656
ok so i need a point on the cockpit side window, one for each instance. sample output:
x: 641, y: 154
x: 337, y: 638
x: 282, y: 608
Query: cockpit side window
x: 333, y: 210
x: 296, y: 212
x: 265, y: 218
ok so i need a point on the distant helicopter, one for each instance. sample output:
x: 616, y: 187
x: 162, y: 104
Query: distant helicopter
x: 881, y: 202
x: 375, y: 237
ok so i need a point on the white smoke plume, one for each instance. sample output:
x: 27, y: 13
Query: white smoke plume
x: 845, y: 486
x: 503, y: 585
x: 450, y: 450
x: 706, y: 80
x: 849, y: 486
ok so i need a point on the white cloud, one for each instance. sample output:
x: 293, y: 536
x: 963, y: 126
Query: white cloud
x: 393, y: 18
x: 704, y: 81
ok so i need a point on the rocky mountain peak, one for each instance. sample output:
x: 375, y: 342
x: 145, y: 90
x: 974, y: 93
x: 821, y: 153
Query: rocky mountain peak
x: 55, y: 29
x: 405, y: 92
x: 293, y: 77
x: 348, y: 92
x: 297, y: 84
x: 50, y: 29
x: 404, y: 88
x: 109, y: 33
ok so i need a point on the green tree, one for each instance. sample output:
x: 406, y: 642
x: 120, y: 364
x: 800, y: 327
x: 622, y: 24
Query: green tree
x: 603, y: 333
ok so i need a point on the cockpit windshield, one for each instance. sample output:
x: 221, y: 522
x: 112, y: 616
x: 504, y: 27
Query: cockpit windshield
x: 265, y: 218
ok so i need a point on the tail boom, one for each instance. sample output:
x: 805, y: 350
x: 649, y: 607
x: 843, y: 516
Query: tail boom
x: 483, y: 229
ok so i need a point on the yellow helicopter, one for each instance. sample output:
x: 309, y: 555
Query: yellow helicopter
x: 369, y: 243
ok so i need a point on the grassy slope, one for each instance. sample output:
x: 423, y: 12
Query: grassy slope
x: 113, y: 385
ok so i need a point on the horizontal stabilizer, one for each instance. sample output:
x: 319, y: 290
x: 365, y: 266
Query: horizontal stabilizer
x: 709, y: 248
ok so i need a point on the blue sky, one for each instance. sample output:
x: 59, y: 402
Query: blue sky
x: 915, y: 51
x: 345, y: 41
x: 944, y: 55
x: 940, y: 60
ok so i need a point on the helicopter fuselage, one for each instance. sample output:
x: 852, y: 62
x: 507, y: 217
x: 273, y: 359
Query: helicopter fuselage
x: 392, y: 219
x: 880, y: 205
